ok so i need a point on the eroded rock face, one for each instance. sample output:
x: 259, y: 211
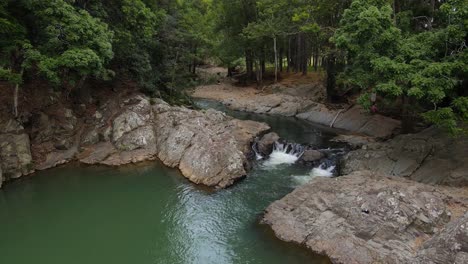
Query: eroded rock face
x: 354, y: 119
x: 371, y: 219
x: 429, y: 157
x: 15, y: 153
x: 208, y: 147
x: 449, y: 246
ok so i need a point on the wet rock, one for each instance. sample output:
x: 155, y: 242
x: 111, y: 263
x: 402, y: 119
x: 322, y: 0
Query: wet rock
x: 354, y: 141
x: 265, y: 144
x: 372, y: 219
x: 56, y: 158
x: 429, y: 157
x: 245, y: 131
x: 97, y: 153
x: 311, y: 155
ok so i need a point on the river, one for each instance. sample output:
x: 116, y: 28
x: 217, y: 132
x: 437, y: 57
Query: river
x: 149, y: 213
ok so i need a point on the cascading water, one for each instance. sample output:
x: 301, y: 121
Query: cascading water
x: 284, y: 153
x: 327, y: 168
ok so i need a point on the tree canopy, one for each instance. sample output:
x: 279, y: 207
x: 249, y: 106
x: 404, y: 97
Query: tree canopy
x: 409, y: 53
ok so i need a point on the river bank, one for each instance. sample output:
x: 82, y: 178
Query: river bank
x: 395, y: 204
x: 208, y: 147
x: 303, y: 101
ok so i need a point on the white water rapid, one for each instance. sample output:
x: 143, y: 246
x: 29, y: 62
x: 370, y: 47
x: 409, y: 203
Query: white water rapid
x: 284, y: 153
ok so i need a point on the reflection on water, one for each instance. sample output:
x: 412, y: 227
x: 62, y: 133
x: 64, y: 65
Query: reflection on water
x: 150, y: 214
x: 142, y: 214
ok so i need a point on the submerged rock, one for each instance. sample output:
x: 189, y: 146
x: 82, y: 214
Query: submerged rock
x: 311, y: 155
x: 372, y: 219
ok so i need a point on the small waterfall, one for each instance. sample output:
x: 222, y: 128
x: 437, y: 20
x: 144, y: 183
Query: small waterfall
x: 284, y: 153
x: 321, y: 171
x: 258, y: 156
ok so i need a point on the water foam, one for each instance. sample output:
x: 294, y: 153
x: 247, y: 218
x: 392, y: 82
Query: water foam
x: 284, y: 154
x: 320, y: 171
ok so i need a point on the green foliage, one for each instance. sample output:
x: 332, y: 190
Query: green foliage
x: 427, y: 66
x: 72, y: 44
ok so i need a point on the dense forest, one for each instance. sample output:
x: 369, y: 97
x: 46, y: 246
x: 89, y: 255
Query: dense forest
x: 409, y: 53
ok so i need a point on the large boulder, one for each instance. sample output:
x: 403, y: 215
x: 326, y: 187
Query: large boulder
x: 429, y: 157
x: 372, y: 219
x: 208, y: 147
x: 265, y: 144
x: 15, y: 155
x: 311, y: 155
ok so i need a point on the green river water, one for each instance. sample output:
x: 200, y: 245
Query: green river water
x: 148, y: 213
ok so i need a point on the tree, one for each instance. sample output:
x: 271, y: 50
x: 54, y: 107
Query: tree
x: 71, y: 45
x: 14, y: 43
x: 421, y: 68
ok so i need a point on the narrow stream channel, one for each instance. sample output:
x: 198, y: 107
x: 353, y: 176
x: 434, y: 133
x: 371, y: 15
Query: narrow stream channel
x: 148, y: 213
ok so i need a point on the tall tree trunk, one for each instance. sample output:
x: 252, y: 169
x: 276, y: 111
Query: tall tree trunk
x: 15, y: 96
x: 316, y: 58
x: 289, y: 55
x: 281, y: 59
x: 305, y: 55
x: 331, y: 76
x: 276, y: 59
x: 249, y: 63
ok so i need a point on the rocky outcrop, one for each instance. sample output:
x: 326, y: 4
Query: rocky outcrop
x: 275, y: 104
x: 354, y: 119
x: 449, y: 246
x: 208, y: 147
x: 373, y: 219
x: 15, y: 153
x: 429, y: 157
x: 300, y: 101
